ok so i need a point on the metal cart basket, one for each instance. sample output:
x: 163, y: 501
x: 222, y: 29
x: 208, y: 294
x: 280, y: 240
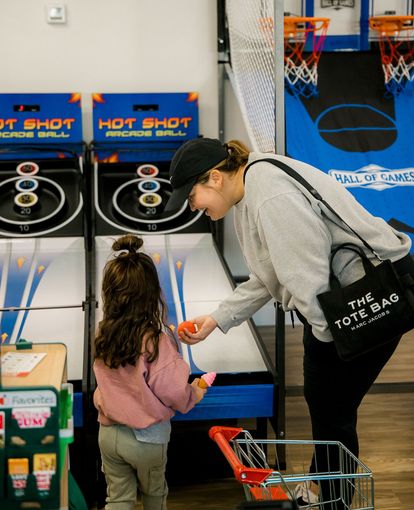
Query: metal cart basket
x: 337, y: 480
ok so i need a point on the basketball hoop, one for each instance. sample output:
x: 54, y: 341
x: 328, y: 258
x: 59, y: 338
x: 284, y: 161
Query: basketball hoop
x: 396, y: 42
x: 302, y: 34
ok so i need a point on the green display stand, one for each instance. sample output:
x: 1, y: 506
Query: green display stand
x: 36, y: 426
x: 76, y: 499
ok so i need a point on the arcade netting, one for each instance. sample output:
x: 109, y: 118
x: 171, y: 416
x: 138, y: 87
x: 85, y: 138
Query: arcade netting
x: 252, y: 60
x: 250, y: 26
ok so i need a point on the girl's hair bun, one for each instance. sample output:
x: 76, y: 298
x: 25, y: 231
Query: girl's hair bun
x: 129, y: 242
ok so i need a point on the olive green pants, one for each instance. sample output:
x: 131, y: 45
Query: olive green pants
x: 129, y: 466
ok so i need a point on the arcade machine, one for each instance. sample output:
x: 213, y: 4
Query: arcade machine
x: 135, y: 136
x: 43, y: 281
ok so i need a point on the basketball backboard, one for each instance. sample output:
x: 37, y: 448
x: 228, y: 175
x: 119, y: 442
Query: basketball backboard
x: 349, y: 25
x: 391, y: 7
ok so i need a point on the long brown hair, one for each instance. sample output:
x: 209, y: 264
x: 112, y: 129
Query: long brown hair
x: 133, y: 307
x: 238, y: 154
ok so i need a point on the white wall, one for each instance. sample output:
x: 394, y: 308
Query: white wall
x: 112, y: 46
x: 121, y: 46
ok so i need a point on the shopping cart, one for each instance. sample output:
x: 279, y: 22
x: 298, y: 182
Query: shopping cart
x: 338, y: 481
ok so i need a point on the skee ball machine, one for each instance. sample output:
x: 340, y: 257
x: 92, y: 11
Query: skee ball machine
x: 135, y: 136
x: 42, y: 257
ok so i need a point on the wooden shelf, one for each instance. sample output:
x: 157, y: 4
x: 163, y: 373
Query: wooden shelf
x: 51, y: 370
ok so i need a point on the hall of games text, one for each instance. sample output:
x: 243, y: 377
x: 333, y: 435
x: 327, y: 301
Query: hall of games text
x: 35, y: 128
x: 150, y: 126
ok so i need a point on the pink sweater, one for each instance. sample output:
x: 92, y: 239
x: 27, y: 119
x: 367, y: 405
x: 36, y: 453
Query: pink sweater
x: 147, y: 393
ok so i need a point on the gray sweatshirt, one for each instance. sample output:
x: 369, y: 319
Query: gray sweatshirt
x: 286, y: 237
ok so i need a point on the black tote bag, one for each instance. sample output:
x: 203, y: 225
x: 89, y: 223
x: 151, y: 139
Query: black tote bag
x: 369, y: 312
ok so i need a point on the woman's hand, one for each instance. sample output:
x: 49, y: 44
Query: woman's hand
x: 205, y: 325
x: 200, y: 392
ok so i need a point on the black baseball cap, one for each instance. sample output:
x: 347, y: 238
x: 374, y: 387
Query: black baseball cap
x: 191, y: 161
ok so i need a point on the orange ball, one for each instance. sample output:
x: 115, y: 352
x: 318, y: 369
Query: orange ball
x: 186, y: 325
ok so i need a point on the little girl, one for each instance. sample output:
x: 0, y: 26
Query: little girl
x: 142, y: 380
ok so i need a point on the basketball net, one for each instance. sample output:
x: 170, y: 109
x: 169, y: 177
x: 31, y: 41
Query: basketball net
x: 396, y: 42
x: 304, y: 40
x: 301, y: 70
x: 252, y: 46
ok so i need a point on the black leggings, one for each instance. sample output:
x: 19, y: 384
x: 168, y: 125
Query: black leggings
x: 333, y: 390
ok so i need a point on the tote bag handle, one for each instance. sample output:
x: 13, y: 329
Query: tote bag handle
x: 368, y: 265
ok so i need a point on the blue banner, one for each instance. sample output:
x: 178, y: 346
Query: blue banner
x: 357, y: 135
x: 130, y: 127
x: 31, y: 124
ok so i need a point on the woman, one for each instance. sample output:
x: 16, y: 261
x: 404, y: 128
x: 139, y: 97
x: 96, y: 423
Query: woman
x: 286, y: 236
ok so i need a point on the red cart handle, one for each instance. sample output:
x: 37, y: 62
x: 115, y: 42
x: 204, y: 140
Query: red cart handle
x: 244, y: 474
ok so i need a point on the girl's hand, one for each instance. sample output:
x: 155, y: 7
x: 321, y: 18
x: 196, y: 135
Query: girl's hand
x: 200, y: 392
x: 205, y: 325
